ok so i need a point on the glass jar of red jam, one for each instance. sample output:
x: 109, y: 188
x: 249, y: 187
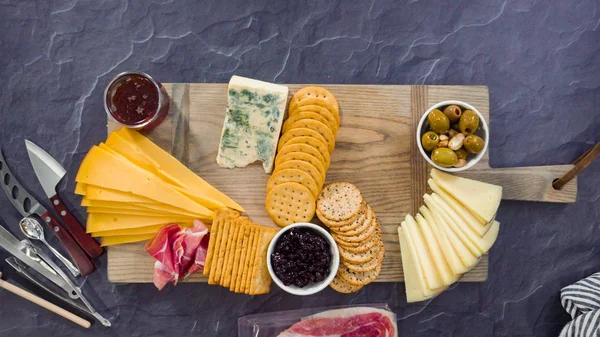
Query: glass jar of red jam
x: 136, y: 100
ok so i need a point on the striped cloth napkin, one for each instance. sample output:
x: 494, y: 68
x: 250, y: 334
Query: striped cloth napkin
x: 582, y: 301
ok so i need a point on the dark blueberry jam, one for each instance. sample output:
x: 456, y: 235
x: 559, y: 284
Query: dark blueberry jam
x: 301, y: 256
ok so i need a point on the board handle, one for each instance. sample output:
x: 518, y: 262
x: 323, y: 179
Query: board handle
x: 528, y: 183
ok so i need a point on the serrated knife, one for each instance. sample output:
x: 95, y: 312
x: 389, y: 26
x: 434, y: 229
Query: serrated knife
x: 27, y: 205
x: 49, y: 172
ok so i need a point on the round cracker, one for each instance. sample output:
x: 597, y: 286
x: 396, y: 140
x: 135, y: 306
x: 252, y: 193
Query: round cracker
x: 316, y: 96
x: 363, y: 236
x: 290, y: 202
x: 360, y: 257
x: 362, y: 247
x: 314, y: 142
x: 306, y: 149
x: 293, y: 175
x: 340, y: 201
x: 376, y: 261
x: 299, y: 132
x: 364, y: 216
x: 358, y: 278
x: 341, y: 286
x: 321, y: 128
x: 302, y: 166
x: 302, y: 156
x: 305, y: 115
x: 333, y: 123
x: 334, y: 224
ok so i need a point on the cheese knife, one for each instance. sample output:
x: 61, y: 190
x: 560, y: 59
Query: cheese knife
x: 27, y: 205
x: 49, y: 172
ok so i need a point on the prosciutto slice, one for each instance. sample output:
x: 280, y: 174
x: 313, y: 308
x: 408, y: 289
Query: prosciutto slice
x: 179, y: 252
x: 350, y: 322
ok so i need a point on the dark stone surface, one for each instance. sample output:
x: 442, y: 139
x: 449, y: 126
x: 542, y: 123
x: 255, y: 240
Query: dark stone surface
x: 539, y: 59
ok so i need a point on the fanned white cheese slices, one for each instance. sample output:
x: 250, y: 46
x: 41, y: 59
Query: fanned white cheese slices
x: 482, y: 199
x: 448, y: 238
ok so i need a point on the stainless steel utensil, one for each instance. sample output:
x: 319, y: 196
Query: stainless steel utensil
x: 34, y: 230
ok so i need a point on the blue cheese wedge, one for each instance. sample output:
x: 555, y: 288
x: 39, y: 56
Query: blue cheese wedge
x: 253, y: 122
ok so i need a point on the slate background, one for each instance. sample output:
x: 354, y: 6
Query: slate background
x: 540, y: 60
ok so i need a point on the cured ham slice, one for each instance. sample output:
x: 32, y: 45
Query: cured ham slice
x: 179, y: 252
x: 350, y: 322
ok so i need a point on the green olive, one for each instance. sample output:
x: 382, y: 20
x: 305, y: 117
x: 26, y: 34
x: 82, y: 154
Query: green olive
x: 438, y: 122
x: 430, y: 140
x: 473, y: 144
x: 461, y: 153
x: 445, y: 157
x: 468, y: 123
x: 453, y: 112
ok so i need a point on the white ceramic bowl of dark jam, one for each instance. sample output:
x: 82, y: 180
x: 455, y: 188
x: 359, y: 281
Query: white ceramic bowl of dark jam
x: 136, y: 100
x: 303, y: 259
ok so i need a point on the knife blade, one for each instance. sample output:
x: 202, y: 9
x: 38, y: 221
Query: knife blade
x: 27, y: 205
x: 49, y: 173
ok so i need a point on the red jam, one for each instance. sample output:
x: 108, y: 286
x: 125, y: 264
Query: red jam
x: 135, y: 99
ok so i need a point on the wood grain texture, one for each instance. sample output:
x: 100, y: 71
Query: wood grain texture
x: 375, y: 149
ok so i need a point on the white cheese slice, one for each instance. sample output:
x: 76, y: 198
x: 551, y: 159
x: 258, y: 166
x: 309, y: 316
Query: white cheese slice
x: 482, y: 244
x: 443, y: 269
x: 450, y: 253
x: 460, y: 209
x: 480, y: 198
x: 488, y: 240
x: 465, y: 255
x: 416, y: 287
x: 432, y: 277
x: 456, y: 224
x: 253, y: 120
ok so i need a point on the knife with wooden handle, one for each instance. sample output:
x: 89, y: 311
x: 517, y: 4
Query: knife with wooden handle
x: 27, y: 205
x: 49, y: 172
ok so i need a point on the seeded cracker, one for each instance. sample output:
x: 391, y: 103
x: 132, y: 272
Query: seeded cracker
x: 280, y: 198
x: 341, y: 286
x: 340, y: 201
x: 369, y: 265
x: 358, y: 278
x: 335, y: 224
x: 368, y: 222
x: 296, y: 176
x: 361, y: 247
x: 359, y: 225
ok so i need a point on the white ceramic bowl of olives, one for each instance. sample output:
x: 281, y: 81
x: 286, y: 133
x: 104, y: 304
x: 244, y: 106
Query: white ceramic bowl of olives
x: 452, y: 136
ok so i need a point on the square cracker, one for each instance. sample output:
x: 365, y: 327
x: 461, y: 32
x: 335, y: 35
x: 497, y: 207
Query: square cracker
x: 241, y: 286
x: 219, y: 223
x: 214, y: 234
x: 230, y: 250
x: 227, y: 226
x: 260, y: 282
x: 241, y: 240
x: 251, y: 255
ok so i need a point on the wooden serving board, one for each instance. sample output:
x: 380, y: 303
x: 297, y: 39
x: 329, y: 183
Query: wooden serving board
x: 376, y: 150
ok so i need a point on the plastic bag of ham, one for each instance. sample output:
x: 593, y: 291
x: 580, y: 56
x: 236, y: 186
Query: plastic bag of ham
x: 347, y: 321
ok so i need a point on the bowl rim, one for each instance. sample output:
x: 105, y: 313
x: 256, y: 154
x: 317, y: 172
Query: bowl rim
x: 317, y: 287
x: 483, y: 124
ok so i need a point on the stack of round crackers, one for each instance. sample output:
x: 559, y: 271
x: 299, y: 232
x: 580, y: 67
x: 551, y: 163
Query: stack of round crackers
x: 303, y: 156
x: 354, y: 226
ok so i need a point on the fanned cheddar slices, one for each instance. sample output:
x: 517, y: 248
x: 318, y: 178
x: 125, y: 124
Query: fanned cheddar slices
x: 132, y: 188
x: 455, y: 228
